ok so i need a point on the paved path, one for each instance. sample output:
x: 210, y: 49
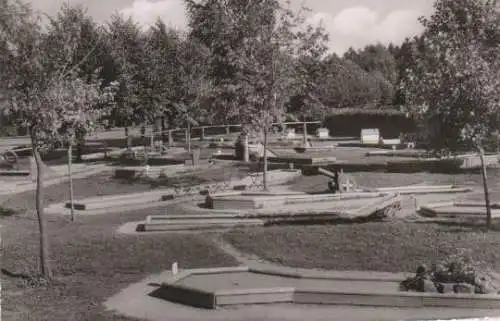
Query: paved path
x: 134, y: 301
x: 26, y: 184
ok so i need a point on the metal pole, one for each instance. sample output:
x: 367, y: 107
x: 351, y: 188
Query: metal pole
x: 70, y: 176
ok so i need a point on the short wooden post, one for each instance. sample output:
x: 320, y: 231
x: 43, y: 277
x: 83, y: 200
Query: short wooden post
x: 246, y: 154
x: 170, y: 139
x: 70, y: 179
x: 305, y: 134
x: 202, y: 135
x: 228, y: 130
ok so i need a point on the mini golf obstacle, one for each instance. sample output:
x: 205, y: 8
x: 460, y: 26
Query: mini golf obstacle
x: 238, y: 209
x: 220, y: 287
x: 246, y: 208
x: 160, y: 197
x: 465, y: 210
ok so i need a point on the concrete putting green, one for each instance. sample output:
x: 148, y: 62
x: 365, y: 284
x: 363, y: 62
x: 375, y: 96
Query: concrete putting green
x: 212, y: 288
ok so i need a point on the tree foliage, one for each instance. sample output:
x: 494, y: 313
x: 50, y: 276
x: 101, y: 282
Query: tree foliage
x: 260, y: 51
x: 161, y: 70
x: 47, y: 96
x: 126, y: 42
x: 453, y: 86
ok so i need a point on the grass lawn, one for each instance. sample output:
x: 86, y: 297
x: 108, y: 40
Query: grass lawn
x: 381, y: 246
x: 390, y: 247
x: 365, y: 179
x: 90, y: 261
x: 96, y: 185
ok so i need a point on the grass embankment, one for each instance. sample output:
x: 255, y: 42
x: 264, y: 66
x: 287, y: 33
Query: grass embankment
x: 90, y: 261
x: 382, y: 246
x: 386, y: 246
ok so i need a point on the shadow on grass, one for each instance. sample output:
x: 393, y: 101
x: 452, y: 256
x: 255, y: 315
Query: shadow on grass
x: 312, y: 221
x: 6, y: 212
x: 15, y: 275
x: 462, y: 226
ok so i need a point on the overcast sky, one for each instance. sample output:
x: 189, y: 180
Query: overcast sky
x: 349, y: 22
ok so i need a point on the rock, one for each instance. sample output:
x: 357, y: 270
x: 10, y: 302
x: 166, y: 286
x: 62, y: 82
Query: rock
x: 408, y: 284
x: 464, y: 288
x: 443, y: 277
x: 429, y: 286
x: 414, y: 284
x: 421, y: 270
x: 484, y: 284
x: 445, y: 287
x: 463, y: 277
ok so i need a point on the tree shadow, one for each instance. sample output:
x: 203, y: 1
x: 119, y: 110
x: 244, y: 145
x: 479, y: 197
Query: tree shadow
x: 462, y: 226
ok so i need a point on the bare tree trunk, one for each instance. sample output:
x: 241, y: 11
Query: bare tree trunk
x: 264, y: 178
x: 305, y: 134
x: 188, y: 137
x: 70, y: 178
x: 486, y: 190
x: 163, y: 129
x: 127, y: 138
x: 246, y: 154
x: 45, y: 267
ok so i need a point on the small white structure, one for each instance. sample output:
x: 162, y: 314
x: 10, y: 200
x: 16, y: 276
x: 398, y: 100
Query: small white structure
x: 290, y: 133
x: 258, y: 149
x: 323, y: 133
x: 175, y: 268
x: 370, y: 136
x: 395, y: 141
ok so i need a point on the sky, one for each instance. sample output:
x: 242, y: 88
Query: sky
x: 350, y: 23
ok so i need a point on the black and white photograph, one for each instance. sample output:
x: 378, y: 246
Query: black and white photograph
x: 250, y: 160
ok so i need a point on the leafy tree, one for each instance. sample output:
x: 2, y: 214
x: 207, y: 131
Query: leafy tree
x: 127, y: 42
x: 346, y: 85
x: 375, y: 58
x: 49, y: 99
x: 161, y: 69
x: 214, y: 23
x: 193, y: 86
x: 254, y: 46
x: 88, y: 54
x: 405, y: 59
x: 311, y: 70
x: 454, y: 85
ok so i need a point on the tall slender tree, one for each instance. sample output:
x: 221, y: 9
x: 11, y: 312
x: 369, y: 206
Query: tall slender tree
x: 454, y: 85
x: 49, y: 99
x: 254, y: 48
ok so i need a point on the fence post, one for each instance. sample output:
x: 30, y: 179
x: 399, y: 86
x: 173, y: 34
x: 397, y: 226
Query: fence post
x: 305, y: 134
x: 170, y: 139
